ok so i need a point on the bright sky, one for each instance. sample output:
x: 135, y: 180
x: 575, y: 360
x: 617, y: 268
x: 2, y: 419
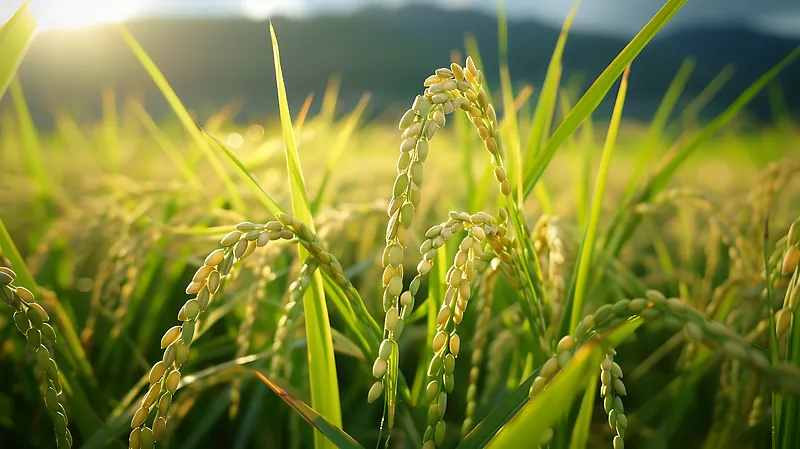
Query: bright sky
x: 621, y: 17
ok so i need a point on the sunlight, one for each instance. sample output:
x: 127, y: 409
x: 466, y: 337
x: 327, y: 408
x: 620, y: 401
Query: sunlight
x: 258, y: 9
x: 262, y: 9
x: 70, y: 14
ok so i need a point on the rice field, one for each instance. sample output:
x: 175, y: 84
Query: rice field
x: 487, y: 270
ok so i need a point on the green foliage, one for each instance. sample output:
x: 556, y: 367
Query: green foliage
x: 118, y: 238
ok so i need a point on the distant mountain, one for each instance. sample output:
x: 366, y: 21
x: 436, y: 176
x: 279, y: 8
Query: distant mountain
x: 387, y: 52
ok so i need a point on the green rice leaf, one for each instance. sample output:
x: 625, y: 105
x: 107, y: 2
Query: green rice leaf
x: 664, y: 175
x: 163, y: 141
x: 329, y: 430
x: 30, y: 149
x: 188, y: 123
x: 546, y: 105
x: 624, y: 223
x: 659, y: 123
x: 560, y: 397
x: 15, y: 36
x: 586, y: 253
x: 583, y: 424
x: 321, y: 363
x: 595, y: 94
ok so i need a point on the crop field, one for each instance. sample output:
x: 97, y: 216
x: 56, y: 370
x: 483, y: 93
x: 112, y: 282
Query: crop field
x: 492, y: 268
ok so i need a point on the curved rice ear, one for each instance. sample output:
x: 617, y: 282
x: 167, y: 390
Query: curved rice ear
x: 447, y: 90
x: 31, y: 320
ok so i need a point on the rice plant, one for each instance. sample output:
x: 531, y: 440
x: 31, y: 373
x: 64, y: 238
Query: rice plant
x: 196, y: 301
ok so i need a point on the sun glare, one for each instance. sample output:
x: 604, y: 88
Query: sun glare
x: 70, y: 14
x: 262, y: 9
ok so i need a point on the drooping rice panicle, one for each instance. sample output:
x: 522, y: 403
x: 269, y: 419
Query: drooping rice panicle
x: 418, y: 126
x: 551, y: 257
x: 31, y: 320
x: 447, y: 342
x: 790, y: 266
x: 484, y: 117
x: 612, y: 389
x: 132, y: 260
x: 674, y: 312
x: 237, y: 245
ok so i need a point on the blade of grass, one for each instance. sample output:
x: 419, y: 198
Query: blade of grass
x: 692, y: 110
x: 594, y: 95
x: 511, y: 135
x: 779, y: 111
x: 15, y: 36
x: 502, y: 32
x: 582, y: 168
x: 221, y: 116
x: 513, y: 403
x: 30, y: 148
x: 246, y: 176
x: 329, y: 100
x: 543, y: 113
x: 111, y: 131
x: 321, y: 363
x: 205, y: 424
x: 69, y: 129
x: 659, y: 123
x: 329, y: 430
x: 510, y: 130
x: 580, y: 430
x: 546, y: 104
x: 544, y: 410
x: 484, y: 185
x: 624, y: 222
x: 586, y: 251
x: 188, y: 123
x: 665, y: 174
x: 776, y: 395
x: 8, y: 249
x: 300, y: 120
x: 165, y: 144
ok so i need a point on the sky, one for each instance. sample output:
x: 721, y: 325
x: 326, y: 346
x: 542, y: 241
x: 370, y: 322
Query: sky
x: 613, y: 17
